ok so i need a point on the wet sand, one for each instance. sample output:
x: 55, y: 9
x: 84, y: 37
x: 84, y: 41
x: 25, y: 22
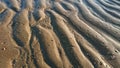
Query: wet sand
x: 59, y: 34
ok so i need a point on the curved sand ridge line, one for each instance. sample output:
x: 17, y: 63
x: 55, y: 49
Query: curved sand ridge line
x: 59, y: 34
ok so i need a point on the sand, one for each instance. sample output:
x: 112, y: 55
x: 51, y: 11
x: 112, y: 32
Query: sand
x: 59, y: 34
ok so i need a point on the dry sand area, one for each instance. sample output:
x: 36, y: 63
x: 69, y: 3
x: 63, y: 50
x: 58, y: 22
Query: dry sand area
x: 59, y: 33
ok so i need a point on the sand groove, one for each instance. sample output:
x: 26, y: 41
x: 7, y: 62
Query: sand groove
x: 59, y: 34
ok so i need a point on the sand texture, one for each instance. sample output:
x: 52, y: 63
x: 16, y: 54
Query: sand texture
x: 59, y: 33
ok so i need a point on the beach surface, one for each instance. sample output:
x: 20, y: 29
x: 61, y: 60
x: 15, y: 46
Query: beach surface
x: 59, y: 33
